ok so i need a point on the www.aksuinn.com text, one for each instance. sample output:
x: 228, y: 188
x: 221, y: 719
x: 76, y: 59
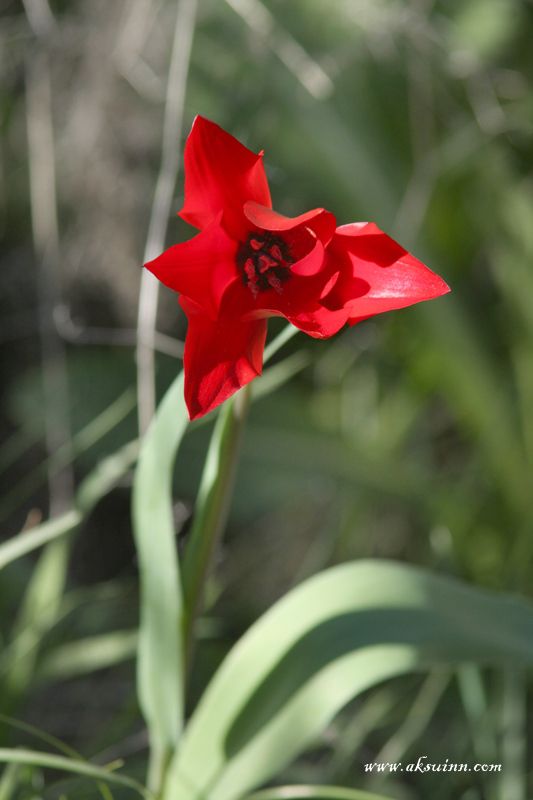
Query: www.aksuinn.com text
x: 423, y: 765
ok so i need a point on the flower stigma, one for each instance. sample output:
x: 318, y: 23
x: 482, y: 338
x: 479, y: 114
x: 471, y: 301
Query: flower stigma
x: 264, y: 262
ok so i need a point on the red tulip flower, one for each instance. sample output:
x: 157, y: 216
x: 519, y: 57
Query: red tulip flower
x: 249, y: 263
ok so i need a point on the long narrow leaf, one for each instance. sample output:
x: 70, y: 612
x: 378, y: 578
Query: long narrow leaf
x: 38, y: 613
x: 9, y: 781
x: 160, y: 664
x: 328, y: 640
x: 63, y: 748
x: 95, y: 486
x: 313, y: 793
x: 26, y: 541
x: 105, y: 476
x: 51, y: 761
x: 84, y: 656
x: 212, y: 505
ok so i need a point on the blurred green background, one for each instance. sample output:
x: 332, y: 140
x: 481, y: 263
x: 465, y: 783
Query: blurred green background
x: 409, y: 436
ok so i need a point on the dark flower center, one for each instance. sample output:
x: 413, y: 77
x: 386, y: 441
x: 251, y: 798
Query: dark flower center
x: 264, y: 262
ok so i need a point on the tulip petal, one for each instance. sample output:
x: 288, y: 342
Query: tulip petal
x: 377, y: 274
x: 220, y: 176
x: 201, y: 268
x: 299, y: 299
x: 320, y: 221
x: 321, y: 323
x: 220, y: 357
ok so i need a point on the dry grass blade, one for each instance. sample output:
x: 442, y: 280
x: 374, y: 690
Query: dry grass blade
x: 147, y: 313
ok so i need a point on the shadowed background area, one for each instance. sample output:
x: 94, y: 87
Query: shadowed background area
x: 409, y: 436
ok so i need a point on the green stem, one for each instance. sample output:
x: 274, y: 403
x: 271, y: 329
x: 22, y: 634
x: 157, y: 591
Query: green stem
x: 157, y: 769
x: 213, y: 504
x: 284, y: 336
x: 514, y: 756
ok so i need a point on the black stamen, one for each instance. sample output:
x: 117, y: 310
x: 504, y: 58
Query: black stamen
x: 264, y: 262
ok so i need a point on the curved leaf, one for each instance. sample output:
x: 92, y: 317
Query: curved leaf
x: 329, y: 639
x: 96, y: 485
x: 160, y: 657
x: 83, y: 656
x: 52, y: 761
x: 28, y: 540
x: 313, y: 793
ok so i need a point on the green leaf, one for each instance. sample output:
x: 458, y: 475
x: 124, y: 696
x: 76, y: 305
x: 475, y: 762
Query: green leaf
x: 105, y: 476
x: 28, y: 540
x: 212, y: 506
x: 276, y: 376
x: 95, y: 486
x: 471, y: 379
x: 284, y: 336
x: 38, y: 613
x: 80, y: 442
x: 49, y: 740
x: 160, y: 660
x: 9, y: 781
x: 313, y: 793
x: 83, y: 656
x: 43, y: 736
x: 51, y: 761
x: 328, y: 640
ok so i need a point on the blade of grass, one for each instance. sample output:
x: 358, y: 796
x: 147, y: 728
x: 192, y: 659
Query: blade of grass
x: 87, y: 655
x: 279, y: 374
x: 172, y: 127
x: 212, y: 507
x: 277, y: 343
x: 350, y: 738
x: 82, y: 441
x: 43, y: 736
x: 52, y: 761
x: 95, y: 486
x: 417, y: 719
x: 313, y: 793
x: 38, y: 613
x: 9, y: 781
x: 105, y: 476
x: 45, y: 233
x: 160, y: 659
x: 514, y: 756
x: 468, y: 375
x: 474, y: 700
x: 26, y: 541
